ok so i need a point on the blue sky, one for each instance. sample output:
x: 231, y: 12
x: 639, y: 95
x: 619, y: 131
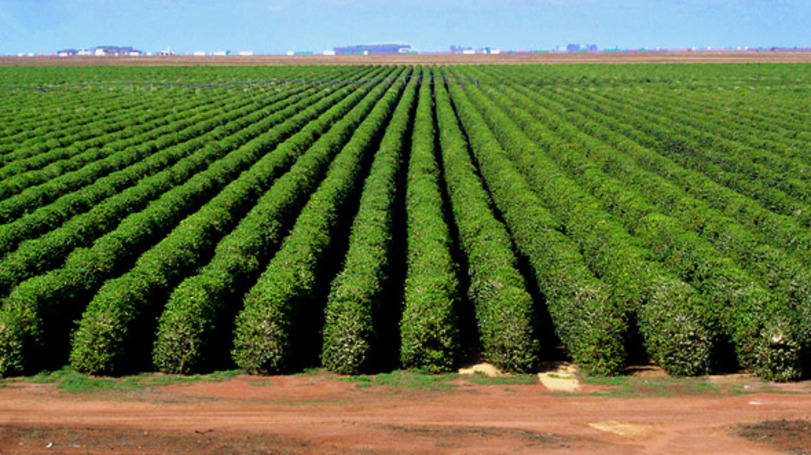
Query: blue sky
x: 275, y: 26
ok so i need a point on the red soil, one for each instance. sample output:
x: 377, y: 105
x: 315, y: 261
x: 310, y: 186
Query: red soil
x: 318, y: 414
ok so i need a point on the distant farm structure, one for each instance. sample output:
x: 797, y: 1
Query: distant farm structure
x: 100, y: 51
x: 467, y: 50
x: 366, y: 49
x: 574, y: 47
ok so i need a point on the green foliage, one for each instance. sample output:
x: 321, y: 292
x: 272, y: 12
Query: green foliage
x: 71, y: 381
x: 41, y: 254
x: 677, y: 325
x: 428, y: 328
x: 745, y: 308
x: 110, y: 325
x: 504, y: 309
x: 669, y: 200
x: 267, y: 337
x: 518, y: 379
x: 592, y: 326
x: 144, y: 126
x: 779, y: 230
x: 400, y: 379
x: 128, y: 185
x: 50, y: 138
x: 355, y: 298
x: 198, y: 304
x: 48, y: 303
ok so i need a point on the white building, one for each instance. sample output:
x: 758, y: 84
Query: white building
x: 199, y: 54
x: 99, y: 52
x: 329, y: 52
x: 245, y: 53
x: 291, y: 53
x: 219, y: 53
x: 468, y: 52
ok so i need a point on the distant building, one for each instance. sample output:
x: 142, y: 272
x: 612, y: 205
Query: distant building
x: 574, y: 47
x: 457, y: 49
x: 114, y: 50
x: 365, y: 49
x: 328, y: 52
x: 99, y: 51
x: 245, y: 53
x: 199, y: 54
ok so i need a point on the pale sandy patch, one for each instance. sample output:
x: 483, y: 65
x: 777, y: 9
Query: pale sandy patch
x: 624, y: 429
x: 562, y: 379
x: 482, y: 368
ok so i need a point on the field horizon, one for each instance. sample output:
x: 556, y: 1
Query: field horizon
x: 699, y: 56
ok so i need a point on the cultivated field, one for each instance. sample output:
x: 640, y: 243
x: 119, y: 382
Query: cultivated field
x: 365, y: 218
x: 799, y: 56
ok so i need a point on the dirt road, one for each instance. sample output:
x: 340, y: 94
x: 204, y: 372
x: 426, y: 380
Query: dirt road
x: 324, y: 414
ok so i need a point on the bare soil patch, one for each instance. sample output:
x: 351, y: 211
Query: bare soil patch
x: 455, y: 436
x: 51, y: 440
x: 792, y: 436
x: 408, y: 59
x: 396, y: 413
